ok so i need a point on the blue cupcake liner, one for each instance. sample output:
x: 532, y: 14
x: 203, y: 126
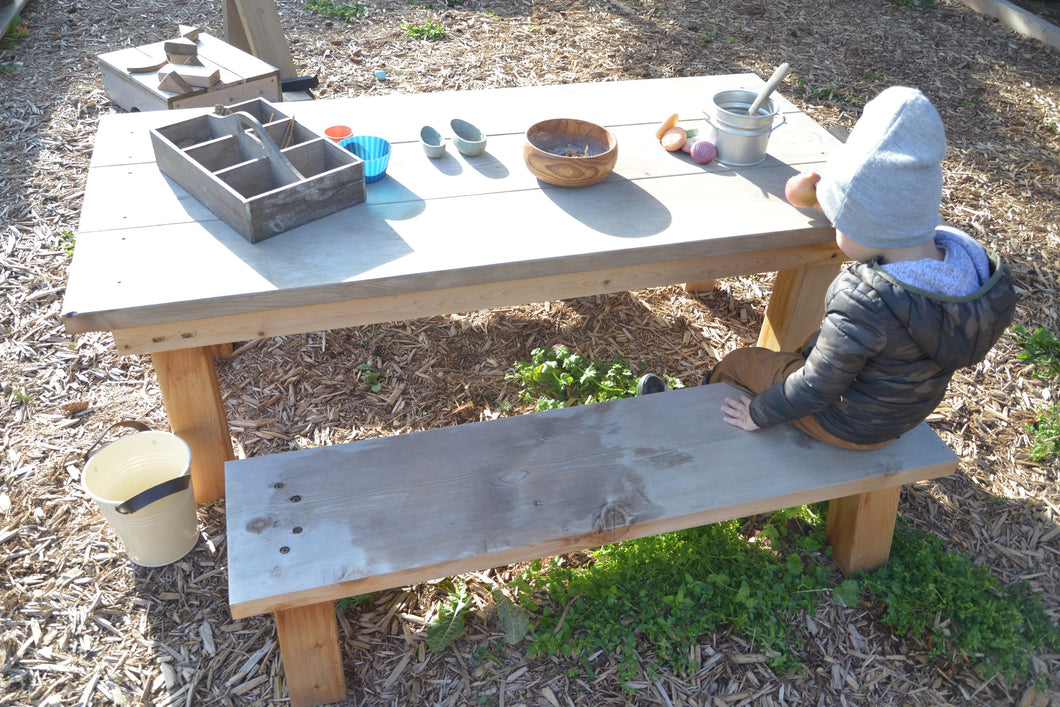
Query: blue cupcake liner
x: 375, y: 151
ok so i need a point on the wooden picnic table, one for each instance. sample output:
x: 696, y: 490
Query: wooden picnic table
x: 165, y: 276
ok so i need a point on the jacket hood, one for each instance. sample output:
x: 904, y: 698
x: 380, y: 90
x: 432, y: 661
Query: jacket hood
x: 955, y: 332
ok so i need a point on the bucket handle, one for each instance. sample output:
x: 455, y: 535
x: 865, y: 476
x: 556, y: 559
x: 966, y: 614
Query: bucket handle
x: 155, y: 493
x: 133, y: 424
x: 148, y: 496
x: 783, y: 119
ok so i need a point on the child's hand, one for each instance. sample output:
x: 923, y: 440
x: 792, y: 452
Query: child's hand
x: 738, y: 413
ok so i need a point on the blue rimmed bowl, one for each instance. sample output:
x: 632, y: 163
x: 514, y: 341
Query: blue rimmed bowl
x: 375, y: 151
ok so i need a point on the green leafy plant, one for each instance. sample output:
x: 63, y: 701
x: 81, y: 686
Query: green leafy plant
x: 450, y: 622
x: 663, y: 593
x: 347, y: 603
x: 960, y: 608
x: 1041, y: 347
x: 24, y: 398
x: 656, y: 596
x: 68, y: 241
x: 1045, y: 432
x: 715, y: 36
x: 371, y: 376
x: 17, y: 29
x: 558, y: 377
x: 344, y: 11
x: 822, y: 94
x: 431, y: 31
x: 514, y: 620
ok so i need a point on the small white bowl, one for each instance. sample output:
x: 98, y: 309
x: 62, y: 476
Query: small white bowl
x: 468, y: 139
x: 432, y: 142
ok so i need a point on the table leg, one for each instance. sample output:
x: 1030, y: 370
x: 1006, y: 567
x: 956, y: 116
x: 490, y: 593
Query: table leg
x: 860, y: 529
x: 192, y: 397
x: 796, y: 306
x: 701, y: 287
x: 312, y: 657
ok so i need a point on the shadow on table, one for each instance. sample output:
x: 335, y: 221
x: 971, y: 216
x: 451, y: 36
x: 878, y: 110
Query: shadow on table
x: 334, y: 248
x: 640, y: 214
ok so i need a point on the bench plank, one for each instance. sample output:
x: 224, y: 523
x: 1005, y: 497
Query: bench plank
x: 316, y: 525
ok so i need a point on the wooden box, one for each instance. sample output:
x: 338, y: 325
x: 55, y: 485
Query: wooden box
x: 130, y: 77
x: 259, y: 187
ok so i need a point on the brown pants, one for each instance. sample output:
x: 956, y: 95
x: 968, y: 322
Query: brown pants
x: 755, y: 369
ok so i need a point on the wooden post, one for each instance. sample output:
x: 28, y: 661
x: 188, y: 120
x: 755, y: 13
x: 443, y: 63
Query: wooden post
x: 256, y: 24
x: 234, y: 33
x: 188, y: 381
x: 796, y: 306
x: 860, y: 529
x: 312, y: 657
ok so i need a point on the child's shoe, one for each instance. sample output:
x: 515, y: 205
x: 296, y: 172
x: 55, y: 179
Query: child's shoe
x: 650, y: 383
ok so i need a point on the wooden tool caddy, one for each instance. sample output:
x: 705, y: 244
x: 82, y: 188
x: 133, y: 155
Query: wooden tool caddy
x: 258, y: 169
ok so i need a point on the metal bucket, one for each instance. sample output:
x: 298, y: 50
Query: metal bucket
x: 142, y: 484
x: 741, y: 139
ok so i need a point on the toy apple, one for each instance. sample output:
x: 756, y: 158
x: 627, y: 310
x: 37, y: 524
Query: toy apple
x: 801, y: 190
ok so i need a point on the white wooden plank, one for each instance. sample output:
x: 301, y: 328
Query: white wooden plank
x: 376, y: 249
x: 191, y: 325
x: 320, y: 524
x: 399, y: 117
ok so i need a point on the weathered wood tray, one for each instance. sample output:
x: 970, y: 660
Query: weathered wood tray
x: 258, y: 169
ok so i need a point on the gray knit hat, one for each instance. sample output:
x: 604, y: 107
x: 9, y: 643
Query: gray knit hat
x: 883, y: 187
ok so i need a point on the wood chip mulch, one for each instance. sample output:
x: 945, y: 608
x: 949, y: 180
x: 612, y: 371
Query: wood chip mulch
x: 80, y: 625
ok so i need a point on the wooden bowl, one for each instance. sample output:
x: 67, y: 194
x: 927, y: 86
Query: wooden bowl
x: 569, y: 152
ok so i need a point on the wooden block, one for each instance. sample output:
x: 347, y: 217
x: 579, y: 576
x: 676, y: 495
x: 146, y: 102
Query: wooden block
x: 312, y: 657
x: 172, y: 81
x: 198, y: 76
x: 183, y: 59
x: 188, y: 32
x: 192, y: 398
x: 146, y: 67
x: 182, y: 45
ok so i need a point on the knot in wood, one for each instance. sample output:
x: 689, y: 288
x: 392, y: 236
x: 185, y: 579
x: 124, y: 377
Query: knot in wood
x: 612, y: 519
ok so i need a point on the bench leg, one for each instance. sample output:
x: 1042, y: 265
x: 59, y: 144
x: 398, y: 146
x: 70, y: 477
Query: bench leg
x: 312, y: 657
x: 188, y: 381
x: 860, y: 529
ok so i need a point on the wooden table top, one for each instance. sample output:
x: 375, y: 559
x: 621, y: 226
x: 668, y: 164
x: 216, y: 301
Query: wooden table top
x: 149, y: 256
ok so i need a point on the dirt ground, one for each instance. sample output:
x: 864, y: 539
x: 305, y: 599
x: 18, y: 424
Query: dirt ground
x: 80, y: 625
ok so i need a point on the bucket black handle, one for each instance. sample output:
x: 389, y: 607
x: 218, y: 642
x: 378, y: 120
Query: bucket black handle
x: 133, y: 424
x: 156, y: 492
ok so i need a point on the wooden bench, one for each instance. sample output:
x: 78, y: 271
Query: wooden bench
x: 308, y: 527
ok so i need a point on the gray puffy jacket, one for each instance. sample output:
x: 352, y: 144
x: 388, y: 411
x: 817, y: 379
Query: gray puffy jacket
x: 886, y: 352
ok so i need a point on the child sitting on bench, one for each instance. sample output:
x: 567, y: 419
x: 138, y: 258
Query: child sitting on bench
x: 921, y: 301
